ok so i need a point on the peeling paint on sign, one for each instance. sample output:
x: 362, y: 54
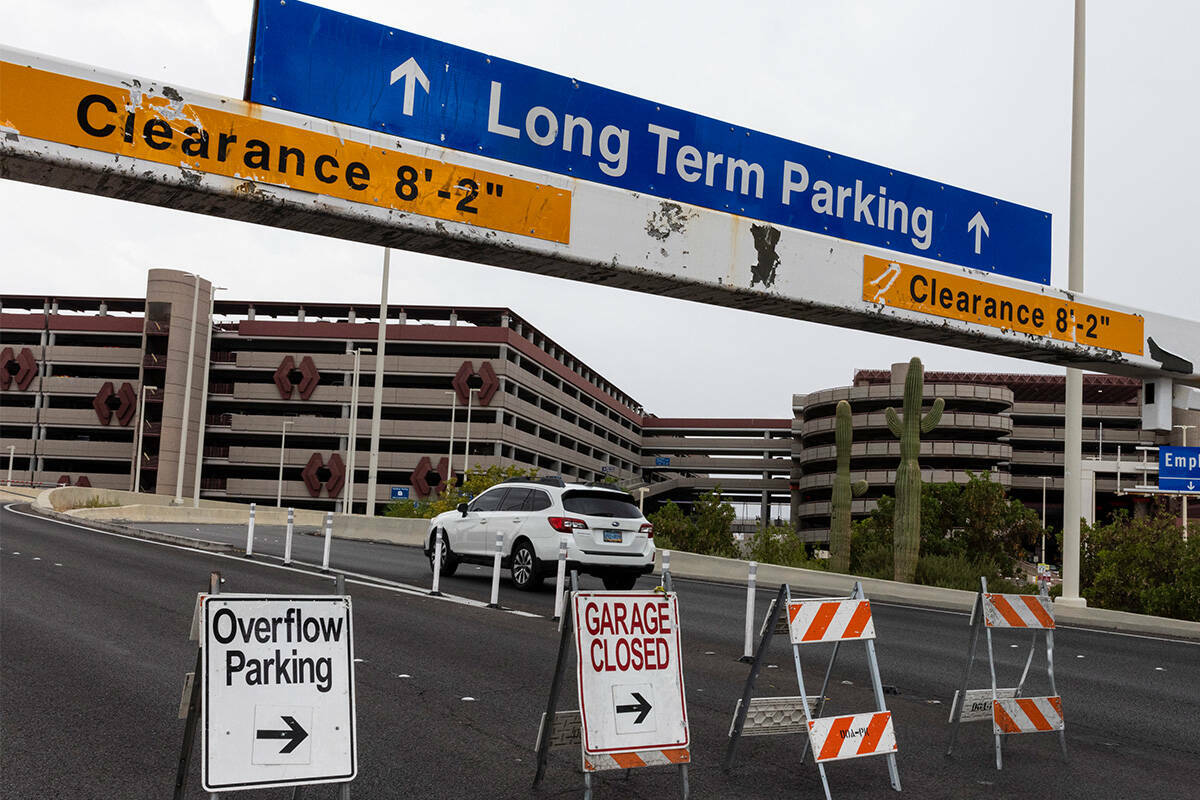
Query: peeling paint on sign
x: 766, y: 238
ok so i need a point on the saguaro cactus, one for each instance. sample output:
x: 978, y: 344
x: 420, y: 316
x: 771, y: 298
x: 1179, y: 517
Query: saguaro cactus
x: 906, y: 525
x: 843, y: 490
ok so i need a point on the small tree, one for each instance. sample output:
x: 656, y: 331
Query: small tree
x: 477, y: 480
x: 708, y: 530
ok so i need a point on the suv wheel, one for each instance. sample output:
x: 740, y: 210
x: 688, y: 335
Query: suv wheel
x: 619, y: 581
x: 524, y: 569
x: 449, y: 560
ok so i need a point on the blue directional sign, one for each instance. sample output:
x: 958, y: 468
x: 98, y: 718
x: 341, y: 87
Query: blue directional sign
x: 662, y: 461
x: 400, y: 492
x: 325, y: 64
x: 1179, y: 468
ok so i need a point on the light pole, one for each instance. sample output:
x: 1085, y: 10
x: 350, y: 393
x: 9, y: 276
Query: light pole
x: 377, y: 395
x: 1044, y: 479
x: 450, y: 451
x: 282, y: 449
x: 137, y: 456
x: 352, y: 441
x: 467, y: 449
x: 212, y: 299
x: 11, y: 449
x: 187, y: 394
x: 1183, y: 429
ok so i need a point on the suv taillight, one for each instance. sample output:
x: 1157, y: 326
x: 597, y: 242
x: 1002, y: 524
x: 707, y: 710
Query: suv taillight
x: 566, y: 524
x: 647, y: 529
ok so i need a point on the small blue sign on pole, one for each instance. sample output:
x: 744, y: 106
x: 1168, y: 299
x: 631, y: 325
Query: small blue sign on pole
x: 1179, y: 469
x: 662, y: 461
x: 325, y: 64
x: 400, y: 492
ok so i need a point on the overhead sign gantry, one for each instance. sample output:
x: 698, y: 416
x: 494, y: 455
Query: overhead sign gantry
x: 665, y: 232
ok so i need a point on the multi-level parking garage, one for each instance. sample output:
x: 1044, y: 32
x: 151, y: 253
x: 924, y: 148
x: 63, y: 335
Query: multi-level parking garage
x: 1007, y: 425
x: 280, y: 381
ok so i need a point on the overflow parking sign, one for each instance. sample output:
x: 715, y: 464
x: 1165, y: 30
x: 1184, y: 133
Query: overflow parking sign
x: 630, y: 672
x: 278, y: 683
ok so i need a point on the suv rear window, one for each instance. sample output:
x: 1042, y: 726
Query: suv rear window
x: 601, y: 504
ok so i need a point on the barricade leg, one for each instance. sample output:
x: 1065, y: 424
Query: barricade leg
x: 992, y: 665
x: 877, y: 685
x: 1062, y: 734
x: 683, y: 781
x: 956, y: 705
x: 587, y: 786
x: 547, y: 729
x: 821, y: 696
x: 768, y: 631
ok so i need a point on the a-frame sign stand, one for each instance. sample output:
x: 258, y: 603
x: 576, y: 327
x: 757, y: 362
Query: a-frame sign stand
x: 562, y: 729
x: 831, y: 619
x: 1009, y: 712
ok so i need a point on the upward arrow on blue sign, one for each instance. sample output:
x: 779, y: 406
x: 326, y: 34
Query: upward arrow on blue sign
x: 326, y: 64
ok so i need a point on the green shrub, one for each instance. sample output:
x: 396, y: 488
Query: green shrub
x: 1141, y: 565
x: 775, y: 544
x: 477, y: 480
x: 708, y: 530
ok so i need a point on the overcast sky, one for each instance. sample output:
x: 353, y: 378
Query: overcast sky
x: 976, y: 94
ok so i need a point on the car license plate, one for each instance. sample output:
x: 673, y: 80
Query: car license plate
x: 612, y: 536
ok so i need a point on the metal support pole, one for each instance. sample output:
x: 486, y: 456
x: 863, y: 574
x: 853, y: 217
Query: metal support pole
x: 287, y: 539
x: 12, y: 448
x: 437, y: 563
x: 957, y: 705
x: 250, y: 533
x: 547, y: 729
x: 212, y: 298
x: 467, y: 446
x: 495, y: 601
x: 352, y: 438
x: 187, y: 394
x: 450, y: 451
x: 377, y: 394
x: 751, y: 589
x: 1073, y: 451
x: 560, y: 578
x: 328, y: 536
x: 282, y: 450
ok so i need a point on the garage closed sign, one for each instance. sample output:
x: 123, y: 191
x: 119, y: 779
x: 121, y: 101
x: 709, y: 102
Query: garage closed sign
x: 630, y: 672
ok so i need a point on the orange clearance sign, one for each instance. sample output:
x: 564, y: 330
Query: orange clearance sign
x: 958, y: 297
x: 162, y: 128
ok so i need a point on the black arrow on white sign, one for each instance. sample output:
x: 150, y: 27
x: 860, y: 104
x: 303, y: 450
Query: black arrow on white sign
x: 294, y: 735
x: 641, y: 709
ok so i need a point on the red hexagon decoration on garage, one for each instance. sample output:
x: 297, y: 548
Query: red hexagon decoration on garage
x: 128, y: 398
x: 420, y: 476
x: 100, y: 403
x: 126, y: 403
x: 20, y: 368
x: 310, y: 377
x: 487, y: 376
x: 337, y: 475
x: 312, y: 477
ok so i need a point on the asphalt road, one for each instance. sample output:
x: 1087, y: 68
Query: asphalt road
x: 93, y: 647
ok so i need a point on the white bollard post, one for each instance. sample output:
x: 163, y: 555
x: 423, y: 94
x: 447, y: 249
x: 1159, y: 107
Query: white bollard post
x: 495, y: 603
x: 437, y: 563
x: 666, y: 569
x: 287, y: 540
x: 751, y: 584
x: 561, y: 577
x: 328, y: 536
x: 250, y: 533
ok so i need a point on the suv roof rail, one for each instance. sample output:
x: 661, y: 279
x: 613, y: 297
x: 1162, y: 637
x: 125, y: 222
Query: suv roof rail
x: 552, y: 480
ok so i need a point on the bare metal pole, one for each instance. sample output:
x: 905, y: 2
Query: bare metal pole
x: 1073, y: 451
x: 282, y: 450
x: 12, y: 448
x: 352, y: 442
x: 187, y: 394
x: 467, y: 448
x: 1183, y: 429
x: 377, y: 395
x: 450, y: 454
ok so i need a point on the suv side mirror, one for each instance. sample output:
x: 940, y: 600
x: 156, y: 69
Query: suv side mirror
x: 462, y: 509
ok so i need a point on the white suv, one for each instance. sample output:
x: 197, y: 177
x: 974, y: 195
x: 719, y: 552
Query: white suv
x: 606, y: 534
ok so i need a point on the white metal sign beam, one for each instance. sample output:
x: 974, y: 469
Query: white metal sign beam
x: 81, y: 128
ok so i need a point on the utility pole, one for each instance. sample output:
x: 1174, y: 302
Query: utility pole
x: 377, y: 395
x: 1183, y: 431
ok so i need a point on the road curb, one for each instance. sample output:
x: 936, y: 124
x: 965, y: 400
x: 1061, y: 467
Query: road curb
x: 138, y: 533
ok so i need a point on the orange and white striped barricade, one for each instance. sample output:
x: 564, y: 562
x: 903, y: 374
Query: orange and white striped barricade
x: 1009, y: 711
x: 632, y: 711
x: 833, y: 738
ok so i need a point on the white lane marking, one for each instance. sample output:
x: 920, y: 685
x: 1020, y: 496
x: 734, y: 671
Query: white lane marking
x: 37, y: 558
x: 57, y: 564
x: 1159, y: 669
x: 404, y: 675
x: 369, y: 580
x: 468, y: 699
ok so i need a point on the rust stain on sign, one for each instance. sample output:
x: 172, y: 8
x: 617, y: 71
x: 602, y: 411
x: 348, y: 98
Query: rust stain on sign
x: 159, y: 126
